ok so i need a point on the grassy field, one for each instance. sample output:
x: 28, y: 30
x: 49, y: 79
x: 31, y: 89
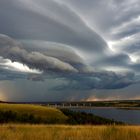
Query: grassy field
x: 37, y: 114
x: 66, y: 132
x: 43, y: 113
x: 23, y: 131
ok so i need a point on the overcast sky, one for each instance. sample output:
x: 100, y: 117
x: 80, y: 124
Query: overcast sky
x: 54, y: 50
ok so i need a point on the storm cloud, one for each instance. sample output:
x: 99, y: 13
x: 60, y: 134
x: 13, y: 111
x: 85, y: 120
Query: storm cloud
x: 13, y: 50
x: 78, y: 45
x: 9, y: 49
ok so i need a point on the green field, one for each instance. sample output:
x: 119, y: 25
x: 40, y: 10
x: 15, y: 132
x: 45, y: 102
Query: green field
x: 31, y: 113
x: 37, y: 114
x: 67, y: 132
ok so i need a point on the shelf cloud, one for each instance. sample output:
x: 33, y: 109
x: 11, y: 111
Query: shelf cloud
x: 69, y: 45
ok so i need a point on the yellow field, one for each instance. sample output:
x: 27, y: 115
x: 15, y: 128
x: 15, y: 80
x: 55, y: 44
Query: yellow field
x: 37, y: 110
x: 64, y: 132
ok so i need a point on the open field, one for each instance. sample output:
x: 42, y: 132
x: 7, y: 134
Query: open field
x: 37, y: 114
x: 30, y: 113
x: 24, y: 114
x: 67, y: 132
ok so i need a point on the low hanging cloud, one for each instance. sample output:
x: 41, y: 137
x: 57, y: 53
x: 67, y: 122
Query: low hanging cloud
x: 74, y: 77
x: 63, y: 45
x: 9, y: 49
x: 97, y: 80
x: 11, y: 75
x: 38, y: 60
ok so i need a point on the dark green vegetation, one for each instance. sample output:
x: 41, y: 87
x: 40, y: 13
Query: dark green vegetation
x: 11, y: 116
x: 35, y: 114
x: 86, y: 118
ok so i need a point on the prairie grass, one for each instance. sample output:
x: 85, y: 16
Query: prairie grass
x: 42, y: 112
x: 68, y: 132
x: 37, y: 114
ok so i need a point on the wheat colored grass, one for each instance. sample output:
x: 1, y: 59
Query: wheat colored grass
x: 66, y: 132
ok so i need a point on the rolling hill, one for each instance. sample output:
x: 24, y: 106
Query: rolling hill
x: 30, y: 113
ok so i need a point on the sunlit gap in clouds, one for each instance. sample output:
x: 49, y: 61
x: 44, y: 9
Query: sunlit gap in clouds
x: 2, y: 96
x: 114, y: 46
x: 16, y: 66
x: 134, y: 58
x: 111, y: 47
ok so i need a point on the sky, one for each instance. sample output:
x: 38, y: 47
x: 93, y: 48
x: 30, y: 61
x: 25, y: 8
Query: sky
x: 69, y: 50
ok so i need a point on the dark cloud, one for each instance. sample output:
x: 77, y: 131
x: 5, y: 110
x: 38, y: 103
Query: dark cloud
x: 13, y: 50
x: 97, y: 80
x: 117, y: 60
x: 10, y: 75
x: 9, y: 49
x: 39, y: 22
x: 35, y: 77
x: 69, y: 46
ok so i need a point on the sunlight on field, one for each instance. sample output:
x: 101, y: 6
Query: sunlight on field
x: 42, y: 112
x: 66, y: 132
x: 38, y: 110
